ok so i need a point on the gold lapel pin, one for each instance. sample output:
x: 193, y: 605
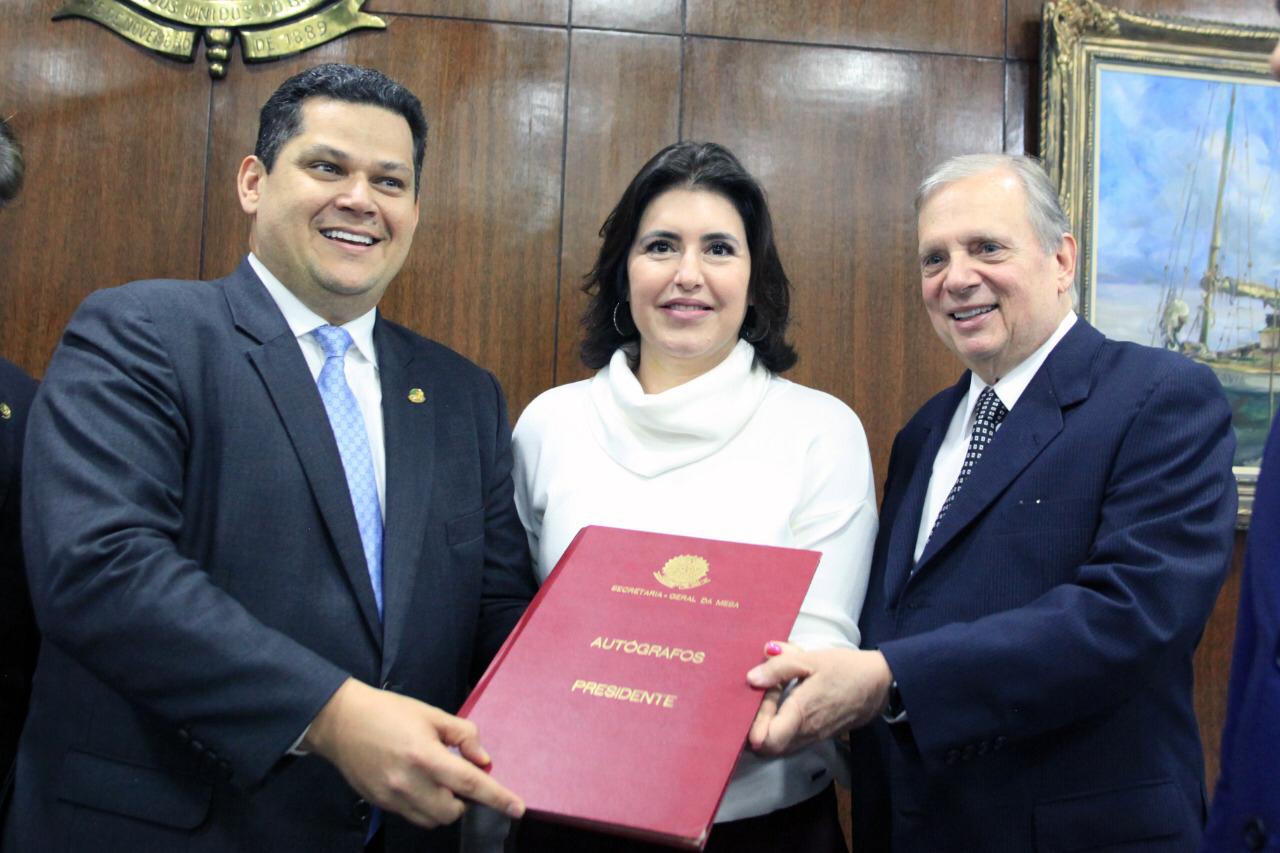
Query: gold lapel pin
x: 5, y: 411
x: 415, y: 396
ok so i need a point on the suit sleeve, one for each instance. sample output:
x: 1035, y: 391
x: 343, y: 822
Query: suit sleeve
x: 508, y: 575
x: 1139, y: 601
x: 103, y: 515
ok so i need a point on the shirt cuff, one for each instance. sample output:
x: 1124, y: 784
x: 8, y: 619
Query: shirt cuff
x: 297, y: 749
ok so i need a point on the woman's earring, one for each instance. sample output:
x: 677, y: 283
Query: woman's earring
x: 617, y: 328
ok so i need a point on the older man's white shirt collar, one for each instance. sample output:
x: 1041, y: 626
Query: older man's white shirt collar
x: 303, y: 321
x: 1010, y: 386
x: 955, y: 442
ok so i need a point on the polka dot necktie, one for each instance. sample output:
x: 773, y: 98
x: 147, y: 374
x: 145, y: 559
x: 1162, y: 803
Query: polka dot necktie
x: 987, y: 417
x: 353, y: 446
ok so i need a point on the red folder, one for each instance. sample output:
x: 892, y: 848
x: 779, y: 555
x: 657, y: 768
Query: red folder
x: 620, y: 700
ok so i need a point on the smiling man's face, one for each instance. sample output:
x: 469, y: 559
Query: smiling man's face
x: 993, y: 293
x: 334, y: 218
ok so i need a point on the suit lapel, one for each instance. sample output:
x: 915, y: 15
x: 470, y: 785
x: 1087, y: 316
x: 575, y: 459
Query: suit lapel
x: 279, y: 361
x: 906, y: 523
x: 1032, y: 424
x: 1062, y: 381
x: 410, y: 443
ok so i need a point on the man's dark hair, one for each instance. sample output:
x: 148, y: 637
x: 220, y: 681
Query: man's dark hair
x: 10, y: 165
x: 695, y: 166
x: 281, y: 116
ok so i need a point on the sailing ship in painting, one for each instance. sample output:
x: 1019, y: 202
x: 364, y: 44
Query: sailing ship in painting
x: 1250, y: 367
x: 1223, y: 317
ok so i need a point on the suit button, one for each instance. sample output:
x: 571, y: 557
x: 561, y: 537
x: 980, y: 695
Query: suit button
x: 1255, y: 834
x: 362, y: 812
x: 184, y: 735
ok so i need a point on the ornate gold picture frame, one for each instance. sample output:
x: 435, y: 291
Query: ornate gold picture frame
x: 1163, y: 138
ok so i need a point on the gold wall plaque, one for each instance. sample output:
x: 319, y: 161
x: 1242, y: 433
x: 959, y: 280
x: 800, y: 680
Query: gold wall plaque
x: 268, y: 29
x: 134, y: 26
x: 228, y: 13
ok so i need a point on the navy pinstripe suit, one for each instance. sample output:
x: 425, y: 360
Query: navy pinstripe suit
x: 1043, y: 644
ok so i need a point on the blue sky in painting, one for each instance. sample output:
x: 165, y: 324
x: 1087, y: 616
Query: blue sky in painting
x: 1161, y: 139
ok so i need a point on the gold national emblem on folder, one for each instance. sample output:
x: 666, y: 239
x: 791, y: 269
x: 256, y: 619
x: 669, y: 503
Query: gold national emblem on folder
x: 684, y: 572
x: 5, y: 411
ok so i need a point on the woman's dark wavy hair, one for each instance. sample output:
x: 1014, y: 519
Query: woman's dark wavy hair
x: 696, y: 166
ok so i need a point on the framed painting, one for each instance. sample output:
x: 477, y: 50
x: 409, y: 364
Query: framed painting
x: 1163, y: 137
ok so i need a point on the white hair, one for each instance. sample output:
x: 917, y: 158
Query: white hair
x: 1044, y: 210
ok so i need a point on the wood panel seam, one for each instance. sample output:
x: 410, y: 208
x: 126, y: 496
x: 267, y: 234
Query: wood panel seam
x: 564, y: 180
x: 896, y: 51
x: 684, y: 58
x: 208, y: 167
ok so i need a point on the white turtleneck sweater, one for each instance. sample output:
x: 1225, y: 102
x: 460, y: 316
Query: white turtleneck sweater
x: 737, y: 453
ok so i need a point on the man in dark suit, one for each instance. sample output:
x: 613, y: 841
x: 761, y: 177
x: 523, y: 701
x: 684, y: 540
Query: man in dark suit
x: 1048, y: 555
x: 271, y: 535
x: 1246, y: 803
x: 19, y: 638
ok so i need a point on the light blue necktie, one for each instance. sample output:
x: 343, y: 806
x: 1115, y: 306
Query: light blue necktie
x: 353, y: 446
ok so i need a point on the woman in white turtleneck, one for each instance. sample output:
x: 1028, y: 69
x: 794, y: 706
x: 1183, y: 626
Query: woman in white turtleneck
x: 687, y: 428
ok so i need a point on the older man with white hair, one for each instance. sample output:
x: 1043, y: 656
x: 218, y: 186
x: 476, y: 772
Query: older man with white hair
x: 1054, y: 531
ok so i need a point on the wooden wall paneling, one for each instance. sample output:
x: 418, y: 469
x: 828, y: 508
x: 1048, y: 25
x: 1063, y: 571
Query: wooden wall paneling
x: 1022, y: 29
x: 481, y: 276
x: 624, y: 94
x: 839, y: 139
x: 1021, y: 108
x: 654, y: 16
x: 515, y: 11
x: 233, y: 130
x: 1024, y: 17
x: 973, y: 28
x: 115, y: 151
x: 891, y: 330
x: 1213, y: 666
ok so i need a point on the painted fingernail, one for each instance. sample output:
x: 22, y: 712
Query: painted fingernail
x: 773, y: 649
